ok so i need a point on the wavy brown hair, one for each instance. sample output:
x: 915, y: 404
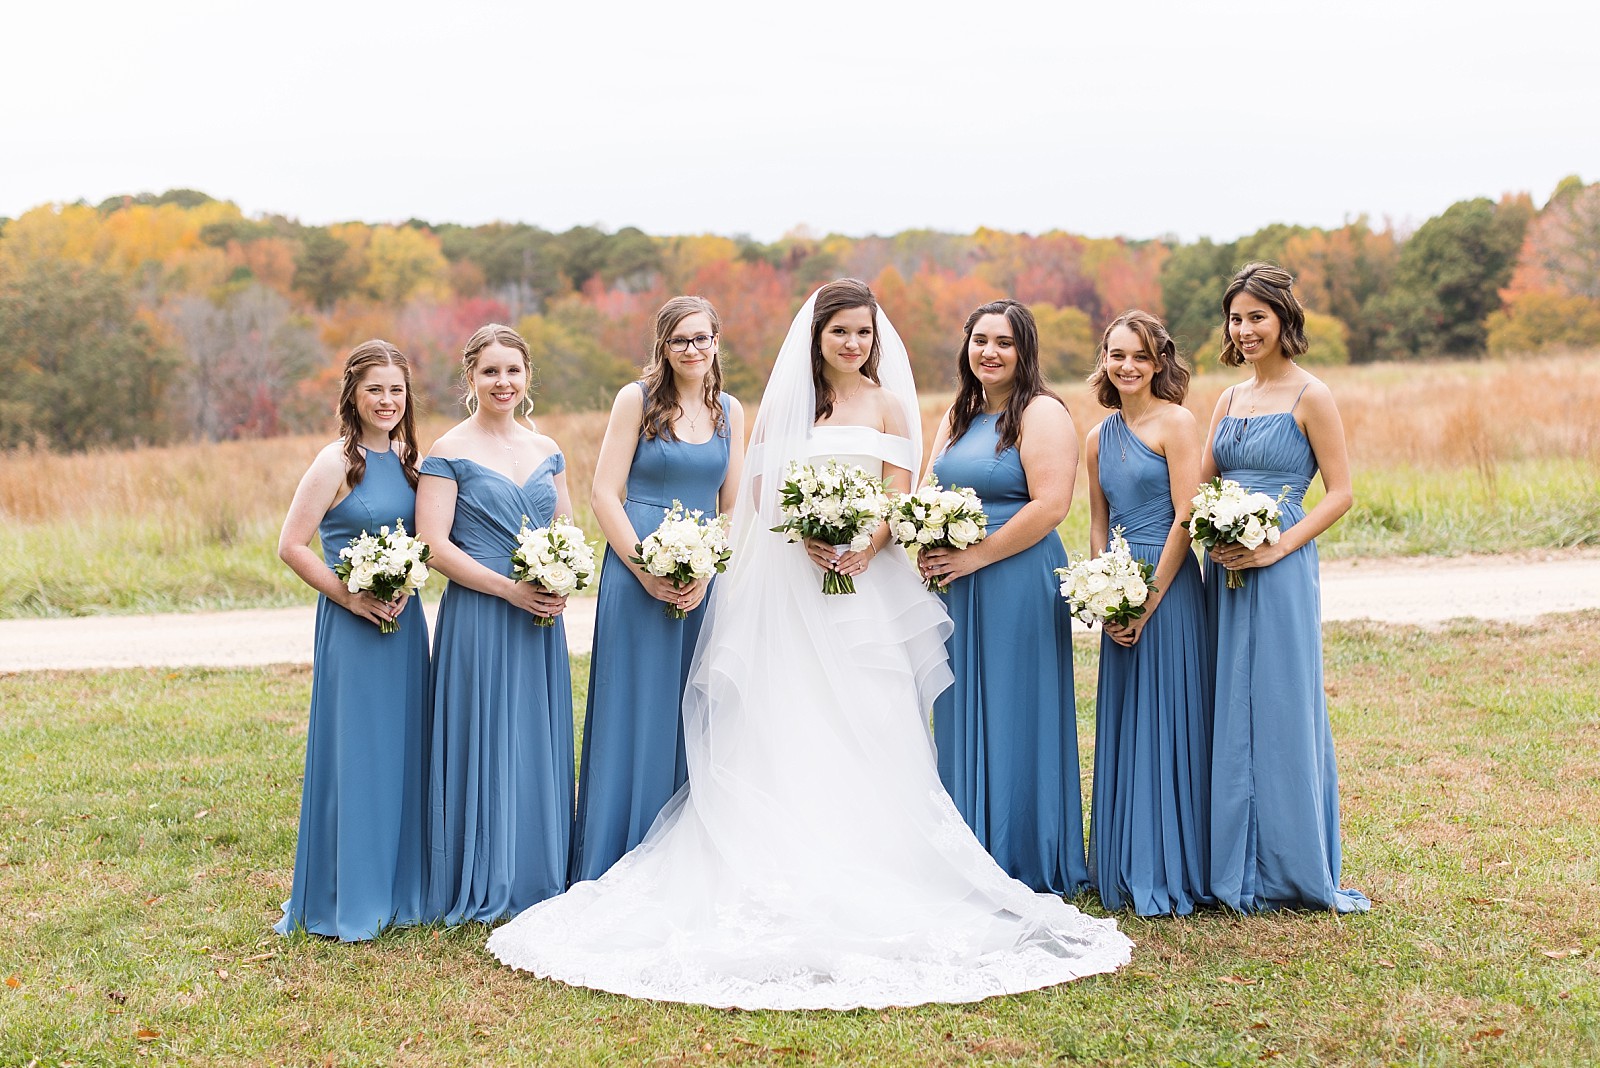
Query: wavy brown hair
x: 1274, y: 287
x: 661, y: 407
x: 833, y: 298
x: 482, y: 338
x: 363, y: 358
x: 1171, y: 380
x: 1029, y: 382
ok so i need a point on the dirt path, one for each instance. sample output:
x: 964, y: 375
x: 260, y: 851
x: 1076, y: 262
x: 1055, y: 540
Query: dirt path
x: 1425, y: 591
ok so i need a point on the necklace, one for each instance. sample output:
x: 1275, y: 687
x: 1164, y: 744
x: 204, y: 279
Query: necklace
x: 861, y: 384
x: 511, y: 448
x: 693, y: 420
x: 1129, y: 428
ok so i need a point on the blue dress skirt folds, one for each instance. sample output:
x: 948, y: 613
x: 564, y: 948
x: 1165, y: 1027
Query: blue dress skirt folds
x: 1274, y: 783
x: 633, y: 759
x: 1006, y: 731
x: 1149, y: 831
x: 359, y: 860
x: 501, y: 775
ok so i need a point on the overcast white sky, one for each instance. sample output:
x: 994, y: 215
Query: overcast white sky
x: 1133, y: 118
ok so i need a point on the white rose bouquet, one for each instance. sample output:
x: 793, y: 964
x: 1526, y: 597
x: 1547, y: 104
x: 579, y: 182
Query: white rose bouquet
x: 838, y: 503
x: 935, y: 518
x: 1110, y: 588
x: 1225, y: 513
x: 385, y: 565
x: 686, y: 547
x: 556, y: 558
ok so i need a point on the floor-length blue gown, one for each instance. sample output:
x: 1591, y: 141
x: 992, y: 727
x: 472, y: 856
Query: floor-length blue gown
x: 633, y: 732
x: 500, y: 781
x: 1274, y: 783
x: 1149, y: 824
x: 1006, y: 732
x: 359, y: 862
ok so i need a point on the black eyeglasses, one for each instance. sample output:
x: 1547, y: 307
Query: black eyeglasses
x: 699, y: 341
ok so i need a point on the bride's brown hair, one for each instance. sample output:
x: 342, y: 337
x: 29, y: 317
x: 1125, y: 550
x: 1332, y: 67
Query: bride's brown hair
x: 363, y: 358
x: 661, y: 407
x: 833, y: 298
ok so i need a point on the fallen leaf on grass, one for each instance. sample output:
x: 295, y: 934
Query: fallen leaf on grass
x: 152, y: 899
x: 118, y: 996
x: 256, y: 958
x: 222, y: 973
x: 1269, y: 1054
x: 1238, y: 980
x: 1561, y: 954
x: 1258, y: 1027
x: 408, y: 1041
x: 145, y: 1034
x: 202, y: 814
x: 13, y: 982
x: 1491, y: 1032
x: 1382, y: 963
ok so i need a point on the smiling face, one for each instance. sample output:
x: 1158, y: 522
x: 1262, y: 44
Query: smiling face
x: 1254, y: 328
x: 1130, y: 367
x: 380, y: 399
x: 846, y: 340
x: 692, y: 364
x: 499, y: 378
x: 992, y: 352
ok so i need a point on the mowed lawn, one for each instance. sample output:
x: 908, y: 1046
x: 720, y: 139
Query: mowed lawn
x: 147, y: 823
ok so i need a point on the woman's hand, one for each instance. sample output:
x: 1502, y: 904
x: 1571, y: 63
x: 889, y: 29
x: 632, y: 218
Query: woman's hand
x: 371, y: 609
x: 1127, y: 635
x: 948, y: 564
x: 845, y: 563
x: 687, y: 598
x: 536, y: 600
x: 1236, y: 557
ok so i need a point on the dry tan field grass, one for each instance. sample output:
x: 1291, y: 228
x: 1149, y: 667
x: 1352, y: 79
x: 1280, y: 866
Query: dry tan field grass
x: 196, y: 524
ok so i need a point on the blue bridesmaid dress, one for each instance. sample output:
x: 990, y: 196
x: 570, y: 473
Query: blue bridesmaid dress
x: 1274, y: 784
x: 1149, y: 825
x: 500, y: 782
x: 633, y: 732
x: 1006, y: 731
x: 359, y: 862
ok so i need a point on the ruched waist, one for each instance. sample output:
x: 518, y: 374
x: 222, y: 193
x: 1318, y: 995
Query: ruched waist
x: 501, y: 565
x: 1272, y: 483
x: 1149, y: 523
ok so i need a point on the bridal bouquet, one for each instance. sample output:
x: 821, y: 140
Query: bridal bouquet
x: 1224, y: 513
x: 935, y: 518
x: 385, y: 566
x: 839, y: 503
x: 685, y: 548
x: 1110, y: 588
x: 556, y: 558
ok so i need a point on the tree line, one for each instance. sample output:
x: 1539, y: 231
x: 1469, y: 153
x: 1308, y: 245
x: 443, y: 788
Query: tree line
x: 158, y: 317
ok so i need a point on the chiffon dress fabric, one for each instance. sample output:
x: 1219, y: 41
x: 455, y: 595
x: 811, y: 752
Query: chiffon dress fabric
x: 1149, y: 836
x: 633, y: 760
x: 360, y: 858
x: 1274, y: 782
x: 813, y: 861
x: 1007, y: 731
x: 501, y: 777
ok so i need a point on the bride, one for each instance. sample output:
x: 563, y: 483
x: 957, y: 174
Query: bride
x: 814, y: 861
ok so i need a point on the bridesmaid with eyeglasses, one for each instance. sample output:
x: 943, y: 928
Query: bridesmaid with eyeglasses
x: 673, y: 436
x: 1274, y: 781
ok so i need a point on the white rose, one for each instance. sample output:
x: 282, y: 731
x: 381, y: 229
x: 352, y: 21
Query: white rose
x: 703, y: 562
x: 927, y: 536
x: 559, y: 578
x: 963, y: 532
x: 1272, y: 535
x: 860, y: 542
x: 1253, y: 533
x: 1136, y: 591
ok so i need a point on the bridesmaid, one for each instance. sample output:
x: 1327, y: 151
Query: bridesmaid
x: 1274, y: 783
x: 1152, y: 753
x: 500, y: 783
x: 1006, y: 732
x: 358, y: 866
x: 674, y: 436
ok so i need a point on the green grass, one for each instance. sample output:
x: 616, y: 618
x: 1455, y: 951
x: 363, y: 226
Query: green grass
x: 147, y: 823
x: 112, y: 565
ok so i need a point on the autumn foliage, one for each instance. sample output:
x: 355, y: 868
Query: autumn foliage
x: 172, y: 317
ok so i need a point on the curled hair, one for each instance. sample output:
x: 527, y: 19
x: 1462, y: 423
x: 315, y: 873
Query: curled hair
x: 363, y: 358
x: 833, y: 298
x: 1026, y: 385
x: 482, y: 338
x: 661, y: 406
x: 1274, y: 287
x: 1171, y: 380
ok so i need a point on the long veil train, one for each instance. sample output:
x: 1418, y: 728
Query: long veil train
x: 814, y: 860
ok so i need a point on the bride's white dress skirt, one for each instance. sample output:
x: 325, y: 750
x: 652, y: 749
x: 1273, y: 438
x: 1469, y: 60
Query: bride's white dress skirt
x: 815, y: 860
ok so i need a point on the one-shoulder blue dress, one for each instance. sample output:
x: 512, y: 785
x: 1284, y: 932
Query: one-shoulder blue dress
x: 359, y: 862
x: 1149, y: 824
x: 500, y: 783
x: 633, y: 731
x: 1007, y: 731
x: 1274, y: 783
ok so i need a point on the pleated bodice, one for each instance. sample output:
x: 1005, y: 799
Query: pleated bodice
x: 490, y: 507
x: 1136, y: 484
x: 382, y: 498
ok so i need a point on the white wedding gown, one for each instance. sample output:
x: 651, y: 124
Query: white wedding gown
x: 814, y: 861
